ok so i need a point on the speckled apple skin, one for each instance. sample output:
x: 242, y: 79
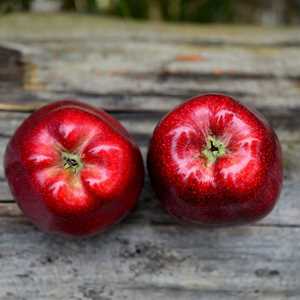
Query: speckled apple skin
x: 240, y: 187
x: 55, y: 199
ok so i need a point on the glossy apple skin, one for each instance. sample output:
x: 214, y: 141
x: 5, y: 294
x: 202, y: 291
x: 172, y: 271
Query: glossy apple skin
x: 56, y: 199
x: 240, y: 187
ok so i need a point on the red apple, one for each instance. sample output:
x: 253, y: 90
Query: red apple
x: 73, y: 169
x: 214, y: 161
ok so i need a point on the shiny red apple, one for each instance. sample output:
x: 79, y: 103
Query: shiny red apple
x: 73, y: 169
x: 214, y: 161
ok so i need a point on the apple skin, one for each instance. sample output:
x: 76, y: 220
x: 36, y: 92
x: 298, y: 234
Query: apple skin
x: 213, y: 161
x: 73, y: 169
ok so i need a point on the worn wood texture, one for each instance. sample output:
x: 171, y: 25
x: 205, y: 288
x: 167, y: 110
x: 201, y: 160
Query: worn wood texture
x: 138, y: 72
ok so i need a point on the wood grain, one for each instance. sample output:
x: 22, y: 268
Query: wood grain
x: 138, y: 72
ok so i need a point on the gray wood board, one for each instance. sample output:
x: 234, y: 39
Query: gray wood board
x: 138, y: 72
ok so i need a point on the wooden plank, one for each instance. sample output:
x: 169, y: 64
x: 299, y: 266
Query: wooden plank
x: 53, y: 66
x: 13, y: 114
x: 150, y: 262
x: 141, y: 257
x: 114, y: 92
x: 144, y: 59
x: 133, y: 69
x: 138, y: 72
x: 58, y: 66
x: 32, y: 27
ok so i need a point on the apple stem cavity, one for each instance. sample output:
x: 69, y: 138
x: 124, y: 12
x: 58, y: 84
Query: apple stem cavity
x: 213, y: 150
x: 72, y: 162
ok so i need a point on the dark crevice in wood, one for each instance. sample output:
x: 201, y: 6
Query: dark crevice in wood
x: 221, y: 292
x: 282, y: 117
x: 225, y: 75
x: 209, y: 43
x: 12, y: 68
x: 180, y: 288
x: 8, y: 201
x: 164, y: 40
x: 133, y: 219
x: 117, y: 96
x: 5, y: 136
x: 275, y: 225
x: 171, y: 223
x: 122, y: 95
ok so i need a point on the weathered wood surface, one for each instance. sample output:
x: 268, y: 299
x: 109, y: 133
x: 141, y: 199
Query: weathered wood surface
x: 138, y: 72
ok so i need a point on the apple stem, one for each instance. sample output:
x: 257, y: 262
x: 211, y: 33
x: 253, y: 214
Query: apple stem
x: 214, y: 149
x: 72, y: 162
